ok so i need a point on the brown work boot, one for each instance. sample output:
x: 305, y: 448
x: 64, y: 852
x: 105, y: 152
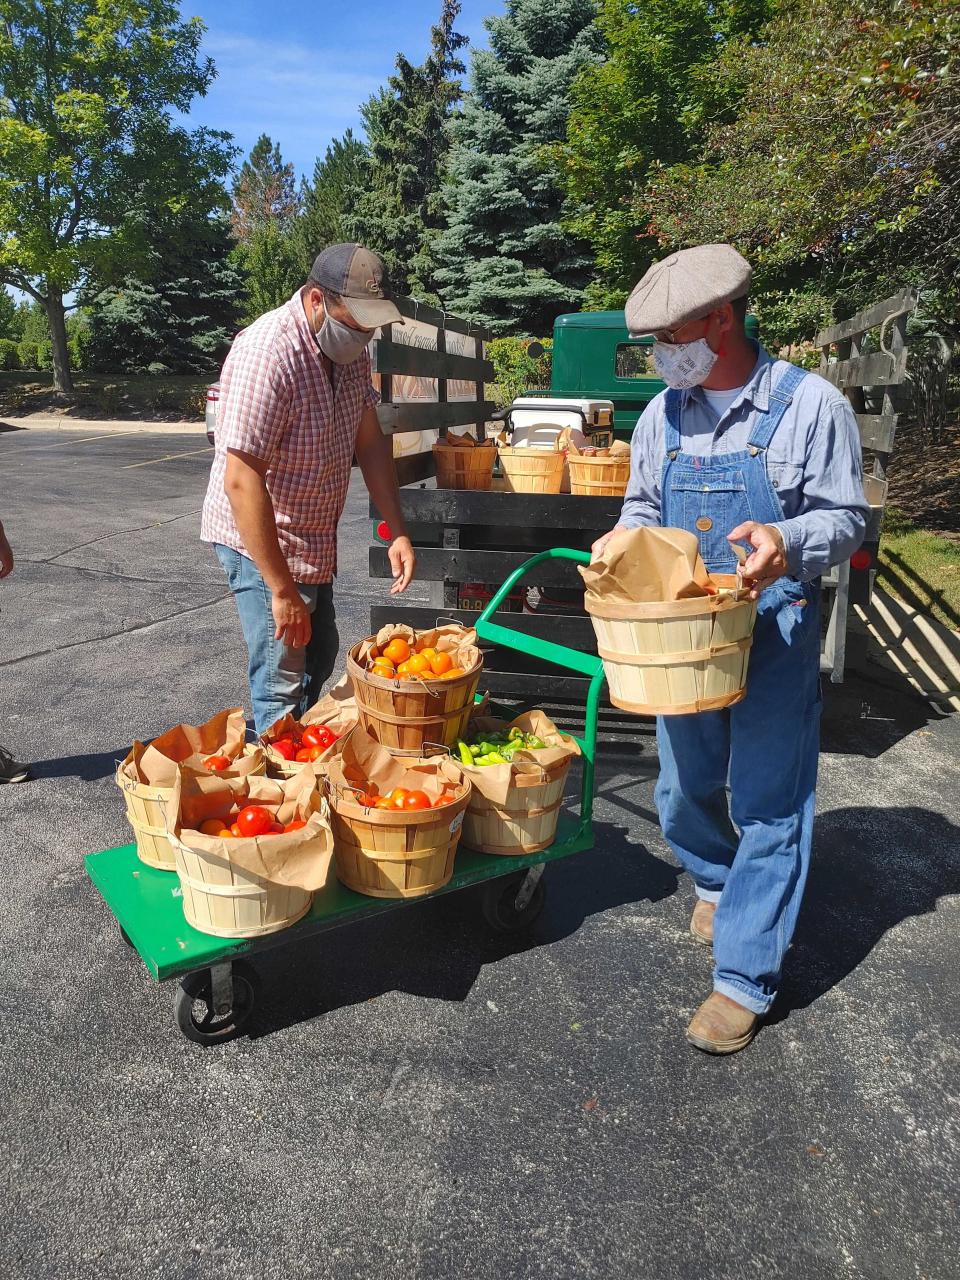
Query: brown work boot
x: 701, y: 922
x: 721, y: 1025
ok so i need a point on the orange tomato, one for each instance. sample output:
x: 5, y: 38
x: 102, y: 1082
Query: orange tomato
x: 397, y: 650
x: 428, y: 653
x: 367, y: 798
x: 227, y: 833
x: 384, y: 670
x: 382, y: 802
x: 403, y: 671
x: 441, y: 663
x: 217, y: 763
x: 418, y: 664
x: 452, y: 674
x: 234, y: 830
x: 212, y: 827
x: 415, y: 800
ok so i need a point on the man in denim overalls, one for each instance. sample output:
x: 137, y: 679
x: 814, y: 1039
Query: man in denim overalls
x: 743, y: 448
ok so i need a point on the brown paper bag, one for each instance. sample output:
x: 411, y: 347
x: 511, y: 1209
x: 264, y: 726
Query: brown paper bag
x: 363, y: 764
x: 299, y: 859
x: 647, y: 565
x: 222, y: 735
x: 494, y: 781
x: 337, y: 710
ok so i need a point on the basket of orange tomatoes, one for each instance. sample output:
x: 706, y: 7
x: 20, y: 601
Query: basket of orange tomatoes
x: 396, y: 820
x: 416, y: 688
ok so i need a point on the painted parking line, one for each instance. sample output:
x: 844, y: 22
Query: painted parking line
x: 167, y: 457
x: 103, y: 435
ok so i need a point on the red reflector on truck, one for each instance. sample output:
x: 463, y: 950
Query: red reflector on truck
x: 861, y: 560
x: 383, y: 532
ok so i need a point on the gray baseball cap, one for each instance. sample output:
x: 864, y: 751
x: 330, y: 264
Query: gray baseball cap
x: 360, y: 278
x: 686, y: 286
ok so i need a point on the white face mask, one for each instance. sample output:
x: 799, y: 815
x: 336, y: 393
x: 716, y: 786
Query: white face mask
x: 339, y: 342
x: 683, y: 364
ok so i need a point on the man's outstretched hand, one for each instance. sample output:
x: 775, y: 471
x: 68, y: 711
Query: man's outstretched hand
x: 403, y: 562
x: 768, y: 560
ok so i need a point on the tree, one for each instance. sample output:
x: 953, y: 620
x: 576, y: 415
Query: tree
x: 264, y: 191
x: 506, y: 260
x: 328, y: 200
x: 647, y: 102
x: 840, y: 174
x: 8, y: 315
x: 85, y: 135
x: 399, y: 211
x: 179, y: 315
x: 272, y: 266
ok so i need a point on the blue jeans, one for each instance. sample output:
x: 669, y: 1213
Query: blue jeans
x: 282, y: 679
x: 736, y: 796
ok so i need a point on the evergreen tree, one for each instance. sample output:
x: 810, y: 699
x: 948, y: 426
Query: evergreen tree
x: 399, y: 212
x: 181, y: 313
x: 330, y: 198
x: 506, y: 259
x: 264, y: 191
x: 273, y: 266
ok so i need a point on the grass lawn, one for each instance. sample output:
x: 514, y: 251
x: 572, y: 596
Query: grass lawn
x: 920, y: 568
x: 138, y: 397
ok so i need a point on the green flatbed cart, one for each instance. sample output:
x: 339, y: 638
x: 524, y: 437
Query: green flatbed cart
x: 218, y: 985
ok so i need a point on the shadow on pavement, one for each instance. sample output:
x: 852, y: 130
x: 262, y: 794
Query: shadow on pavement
x: 438, y: 947
x: 867, y: 714
x: 102, y: 764
x: 871, y: 870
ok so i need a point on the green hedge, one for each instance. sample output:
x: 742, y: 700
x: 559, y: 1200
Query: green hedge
x: 9, y: 354
x: 515, y: 370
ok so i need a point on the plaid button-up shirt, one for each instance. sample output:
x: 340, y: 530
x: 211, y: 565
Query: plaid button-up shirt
x: 277, y: 403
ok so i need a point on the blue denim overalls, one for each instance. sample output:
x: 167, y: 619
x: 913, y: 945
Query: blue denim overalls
x: 750, y: 853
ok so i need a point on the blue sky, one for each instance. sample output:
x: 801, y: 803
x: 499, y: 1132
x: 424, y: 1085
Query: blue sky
x: 299, y: 71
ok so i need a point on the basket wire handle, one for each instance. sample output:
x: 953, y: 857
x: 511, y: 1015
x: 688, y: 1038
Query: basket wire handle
x: 439, y: 746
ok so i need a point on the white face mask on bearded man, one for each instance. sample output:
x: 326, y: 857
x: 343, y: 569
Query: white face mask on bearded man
x: 683, y: 364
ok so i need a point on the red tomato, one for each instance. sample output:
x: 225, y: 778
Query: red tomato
x: 416, y: 800
x: 295, y: 825
x: 367, y: 799
x: 326, y: 736
x: 276, y: 828
x: 285, y: 748
x: 313, y: 736
x: 303, y: 755
x: 254, y: 820
x: 217, y: 763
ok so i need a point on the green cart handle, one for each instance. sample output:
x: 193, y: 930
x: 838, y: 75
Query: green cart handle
x: 586, y: 664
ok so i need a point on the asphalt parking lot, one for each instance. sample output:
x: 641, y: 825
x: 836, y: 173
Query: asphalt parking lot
x: 418, y: 1097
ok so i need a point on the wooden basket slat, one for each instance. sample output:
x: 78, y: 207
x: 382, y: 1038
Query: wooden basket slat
x: 464, y: 468
x: 226, y: 901
x: 598, y: 477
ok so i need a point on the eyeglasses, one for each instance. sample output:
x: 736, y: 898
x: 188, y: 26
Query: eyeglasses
x: 669, y: 336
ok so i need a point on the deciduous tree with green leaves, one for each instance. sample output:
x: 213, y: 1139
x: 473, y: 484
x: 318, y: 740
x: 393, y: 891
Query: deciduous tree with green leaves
x: 841, y: 171
x: 646, y: 102
x: 86, y: 134
x: 505, y: 259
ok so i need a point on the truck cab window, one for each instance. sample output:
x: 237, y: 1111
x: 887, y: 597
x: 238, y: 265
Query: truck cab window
x: 632, y: 361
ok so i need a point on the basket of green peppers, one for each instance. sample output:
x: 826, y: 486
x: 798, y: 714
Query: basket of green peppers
x: 497, y: 748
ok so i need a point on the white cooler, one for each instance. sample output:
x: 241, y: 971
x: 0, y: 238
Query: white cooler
x: 534, y: 422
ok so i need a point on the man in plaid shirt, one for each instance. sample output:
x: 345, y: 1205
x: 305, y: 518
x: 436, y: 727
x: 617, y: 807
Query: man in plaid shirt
x: 296, y: 404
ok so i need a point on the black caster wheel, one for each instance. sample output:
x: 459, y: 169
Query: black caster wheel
x: 195, y: 1013
x: 499, y: 903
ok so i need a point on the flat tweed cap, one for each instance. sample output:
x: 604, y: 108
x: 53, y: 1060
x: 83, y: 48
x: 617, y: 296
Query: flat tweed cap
x: 686, y: 286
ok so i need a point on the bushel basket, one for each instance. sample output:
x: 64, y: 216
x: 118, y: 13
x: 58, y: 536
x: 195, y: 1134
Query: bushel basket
x: 678, y: 656
x: 598, y: 477
x: 145, y: 809
x: 463, y: 467
x: 527, y: 821
x: 531, y: 470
